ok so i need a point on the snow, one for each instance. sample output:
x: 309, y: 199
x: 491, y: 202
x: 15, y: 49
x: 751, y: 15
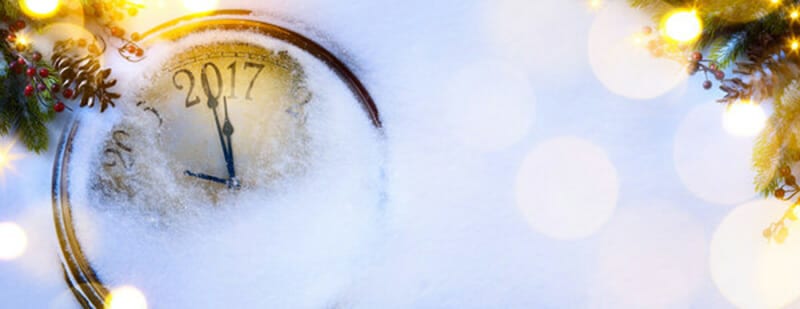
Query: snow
x: 451, y: 231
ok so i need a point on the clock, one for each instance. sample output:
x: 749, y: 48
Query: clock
x: 230, y: 113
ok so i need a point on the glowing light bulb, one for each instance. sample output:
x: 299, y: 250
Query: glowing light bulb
x: 794, y: 14
x: 200, y: 5
x: 40, y: 8
x: 22, y: 40
x: 683, y: 26
x: 126, y: 297
x: 794, y: 44
x: 13, y: 241
x: 744, y: 119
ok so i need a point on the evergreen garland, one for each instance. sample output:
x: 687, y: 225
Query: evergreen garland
x: 33, y: 90
x: 756, y: 41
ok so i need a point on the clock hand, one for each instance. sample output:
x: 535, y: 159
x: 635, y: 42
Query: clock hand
x: 212, y: 104
x: 227, y: 129
x: 206, y: 177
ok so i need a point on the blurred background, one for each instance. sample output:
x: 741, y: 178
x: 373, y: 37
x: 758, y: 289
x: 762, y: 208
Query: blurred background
x: 538, y: 156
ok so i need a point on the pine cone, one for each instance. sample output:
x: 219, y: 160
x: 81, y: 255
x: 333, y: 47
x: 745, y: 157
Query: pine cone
x: 83, y: 74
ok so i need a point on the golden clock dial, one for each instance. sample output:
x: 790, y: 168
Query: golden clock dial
x: 262, y: 94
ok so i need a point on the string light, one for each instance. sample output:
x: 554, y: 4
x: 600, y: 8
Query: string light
x: 794, y: 44
x: 683, y: 26
x: 40, y: 8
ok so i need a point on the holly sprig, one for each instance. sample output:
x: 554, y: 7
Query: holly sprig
x: 35, y: 89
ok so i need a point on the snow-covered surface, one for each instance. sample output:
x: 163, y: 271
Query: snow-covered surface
x: 528, y: 163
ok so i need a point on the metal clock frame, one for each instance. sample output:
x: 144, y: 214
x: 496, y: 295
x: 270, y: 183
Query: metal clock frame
x: 84, y: 282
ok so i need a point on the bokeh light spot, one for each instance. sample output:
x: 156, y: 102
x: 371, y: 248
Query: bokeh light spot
x: 40, y: 8
x: 567, y: 188
x: 126, y: 297
x: 651, y: 255
x: 748, y: 270
x: 744, y: 119
x: 712, y: 164
x: 13, y: 241
x: 621, y: 64
x: 683, y: 26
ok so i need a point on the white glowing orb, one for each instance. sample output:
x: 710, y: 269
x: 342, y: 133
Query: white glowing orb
x: 651, y: 255
x: 40, y: 8
x: 712, y: 164
x: 748, y: 270
x: 567, y: 188
x: 200, y: 5
x: 127, y: 297
x: 683, y: 26
x: 489, y: 105
x: 744, y: 119
x: 619, y: 61
x: 13, y: 241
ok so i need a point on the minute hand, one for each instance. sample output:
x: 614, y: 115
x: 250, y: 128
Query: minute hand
x: 212, y: 104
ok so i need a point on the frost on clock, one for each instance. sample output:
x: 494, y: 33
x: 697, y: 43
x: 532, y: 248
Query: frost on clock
x: 311, y: 176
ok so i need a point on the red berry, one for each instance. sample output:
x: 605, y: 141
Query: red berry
x: 719, y: 75
x: 713, y: 67
x: 117, y: 32
x: 44, y: 73
x: 131, y: 49
x: 12, y: 38
x: 37, y: 56
x: 30, y: 72
x: 21, y: 61
x: 139, y: 52
x: 41, y: 87
x: 28, y: 90
x: 779, y: 193
x: 697, y: 56
x: 55, y: 88
x: 707, y: 85
x: 68, y: 93
x: 20, y: 24
x: 59, y: 107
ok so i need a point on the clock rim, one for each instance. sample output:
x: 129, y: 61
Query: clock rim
x: 87, y: 288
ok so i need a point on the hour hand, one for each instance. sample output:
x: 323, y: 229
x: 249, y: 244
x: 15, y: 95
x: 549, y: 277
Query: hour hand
x: 206, y: 177
x: 227, y: 130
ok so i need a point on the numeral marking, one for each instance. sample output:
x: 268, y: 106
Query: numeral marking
x: 232, y: 67
x: 260, y: 67
x: 114, y: 153
x: 189, y: 101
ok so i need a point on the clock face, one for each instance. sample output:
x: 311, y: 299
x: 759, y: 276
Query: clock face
x: 223, y: 133
x: 219, y: 119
